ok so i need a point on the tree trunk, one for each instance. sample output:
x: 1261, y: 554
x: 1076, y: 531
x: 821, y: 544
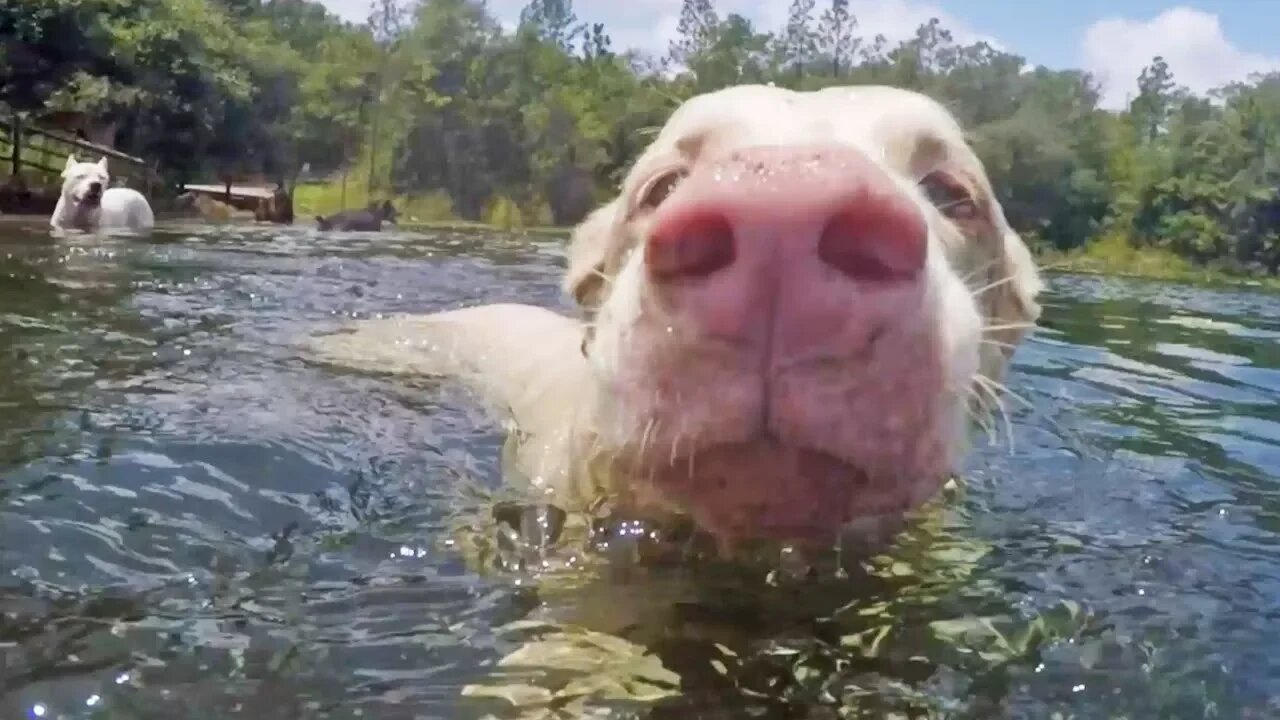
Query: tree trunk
x: 16, y: 158
x: 373, y: 150
x: 377, y: 112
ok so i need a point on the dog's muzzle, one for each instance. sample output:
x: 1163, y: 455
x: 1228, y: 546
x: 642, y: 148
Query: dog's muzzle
x: 94, y: 195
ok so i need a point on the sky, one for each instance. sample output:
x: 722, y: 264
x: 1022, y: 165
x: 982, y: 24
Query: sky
x: 1206, y: 43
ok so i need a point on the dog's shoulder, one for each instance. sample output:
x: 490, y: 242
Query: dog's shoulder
x: 521, y: 358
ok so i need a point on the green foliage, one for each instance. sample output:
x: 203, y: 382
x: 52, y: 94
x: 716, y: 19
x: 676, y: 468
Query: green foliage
x: 433, y: 103
x: 504, y: 214
x: 1116, y: 254
x: 435, y: 206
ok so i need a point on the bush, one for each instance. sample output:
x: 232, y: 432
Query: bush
x: 539, y: 214
x: 325, y: 199
x: 435, y: 206
x: 503, y: 213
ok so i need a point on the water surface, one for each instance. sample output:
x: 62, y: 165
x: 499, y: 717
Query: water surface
x: 195, y: 522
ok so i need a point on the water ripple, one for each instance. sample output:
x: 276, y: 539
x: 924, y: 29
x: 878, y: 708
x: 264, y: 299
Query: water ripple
x: 194, y: 522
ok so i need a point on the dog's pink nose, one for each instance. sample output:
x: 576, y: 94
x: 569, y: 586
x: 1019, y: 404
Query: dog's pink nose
x: 691, y: 245
x: 831, y: 203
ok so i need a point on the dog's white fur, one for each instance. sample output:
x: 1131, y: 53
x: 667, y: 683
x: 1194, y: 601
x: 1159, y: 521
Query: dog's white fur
x: 558, y: 378
x: 119, y: 207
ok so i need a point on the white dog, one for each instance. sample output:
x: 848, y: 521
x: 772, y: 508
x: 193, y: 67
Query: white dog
x: 794, y: 308
x: 88, y: 203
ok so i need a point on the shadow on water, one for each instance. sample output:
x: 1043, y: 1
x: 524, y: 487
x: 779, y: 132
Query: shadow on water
x: 197, y: 523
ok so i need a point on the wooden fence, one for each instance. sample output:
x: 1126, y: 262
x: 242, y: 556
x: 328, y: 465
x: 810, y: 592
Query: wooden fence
x: 35, y: 157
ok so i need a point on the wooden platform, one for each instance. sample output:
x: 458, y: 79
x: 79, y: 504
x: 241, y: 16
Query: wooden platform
x: 240, y: 192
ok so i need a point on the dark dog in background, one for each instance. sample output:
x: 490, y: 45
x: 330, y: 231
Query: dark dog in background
x: 368, y: 219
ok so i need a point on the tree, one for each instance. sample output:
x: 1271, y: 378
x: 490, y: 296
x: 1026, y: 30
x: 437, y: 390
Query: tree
x: 737, y: 54
x: 696, y: 32
x: 387, y: 20
x: 554, y: 21
x: 1152, y: 105
x: 541, y: 124
x: 798, y: 42
x: 597, y: 44
x: 835, y: 39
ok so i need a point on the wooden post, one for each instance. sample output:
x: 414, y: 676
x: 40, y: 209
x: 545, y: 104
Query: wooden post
x: 16, y: 170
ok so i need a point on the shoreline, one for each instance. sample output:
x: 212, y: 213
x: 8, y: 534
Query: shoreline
x: 1137, y: 264
x: 1148, y: 266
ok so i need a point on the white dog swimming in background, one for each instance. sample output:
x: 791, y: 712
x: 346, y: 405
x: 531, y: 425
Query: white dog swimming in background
x: 88, y: 203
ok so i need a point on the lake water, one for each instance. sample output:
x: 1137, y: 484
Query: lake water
x: 195, y: 522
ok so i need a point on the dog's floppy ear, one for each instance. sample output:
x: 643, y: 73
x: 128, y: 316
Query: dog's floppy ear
x: 1011, y: 297
x: 588, y: 249
x: 1019, y: 299
x: 102, y: 163
x: 71, y: 162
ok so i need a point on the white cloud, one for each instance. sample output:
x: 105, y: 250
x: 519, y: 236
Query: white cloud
x: 1191, y: 42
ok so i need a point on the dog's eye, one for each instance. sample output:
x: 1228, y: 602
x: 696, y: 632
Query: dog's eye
x: 660, y: 187
x: 950, y: 197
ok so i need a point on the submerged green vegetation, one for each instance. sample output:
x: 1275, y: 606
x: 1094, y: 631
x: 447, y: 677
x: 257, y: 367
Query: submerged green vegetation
x: 436, y: 104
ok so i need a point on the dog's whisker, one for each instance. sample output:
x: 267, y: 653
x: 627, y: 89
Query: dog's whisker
x: 1001, y: 388
x: 1008, y: 326
x: 599, y: 274
x: 675, y: 443
x: 997, y: 343
x: 989, y: 405
x: 993, y: 389
x: 647, y: 435
x: 984, y: 267
x: 979, y: 416
x: 991, y: 286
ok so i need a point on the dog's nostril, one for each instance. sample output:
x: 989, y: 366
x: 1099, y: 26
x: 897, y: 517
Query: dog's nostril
x: 876, y: 240
x: 695, y: 247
